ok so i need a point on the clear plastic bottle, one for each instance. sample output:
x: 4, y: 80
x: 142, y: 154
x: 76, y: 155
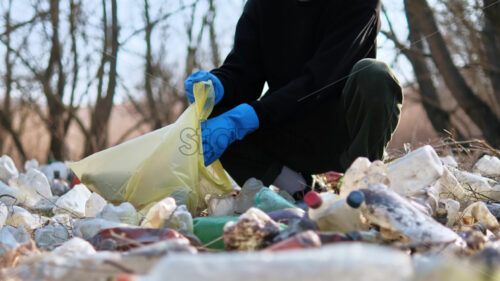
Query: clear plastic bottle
x: 246, y: 198
x: 332, y: 213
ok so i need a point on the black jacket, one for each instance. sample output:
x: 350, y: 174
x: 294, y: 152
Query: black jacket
x: 300, y: 49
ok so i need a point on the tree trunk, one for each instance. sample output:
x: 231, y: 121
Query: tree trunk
x: 491, y: 42
x: 148, y: 71
x: 479, y: 112
x: 439, y: 118
x: 103, y: 106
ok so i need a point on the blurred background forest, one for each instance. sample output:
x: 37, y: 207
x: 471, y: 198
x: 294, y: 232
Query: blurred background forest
x: 79, y: 76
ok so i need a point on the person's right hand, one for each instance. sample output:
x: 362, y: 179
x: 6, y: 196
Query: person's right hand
x: 203, y: 76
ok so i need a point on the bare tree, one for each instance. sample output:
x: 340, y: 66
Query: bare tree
x: 104, y: 102
x: 479, y: 112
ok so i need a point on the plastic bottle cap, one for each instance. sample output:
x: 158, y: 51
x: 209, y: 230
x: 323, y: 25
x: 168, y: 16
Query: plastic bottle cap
x: 313, y: 200
x: 355, y: 199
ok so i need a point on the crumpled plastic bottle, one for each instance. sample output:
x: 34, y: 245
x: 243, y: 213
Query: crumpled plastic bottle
x: 398, y: 219
x: 246, y: 198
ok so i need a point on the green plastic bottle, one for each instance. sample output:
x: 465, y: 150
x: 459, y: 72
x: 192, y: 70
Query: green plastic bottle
x: 207, y: 229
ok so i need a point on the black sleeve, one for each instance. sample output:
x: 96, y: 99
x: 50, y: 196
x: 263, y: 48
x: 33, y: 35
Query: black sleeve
x: 347, y: 40
x: 241, y: 74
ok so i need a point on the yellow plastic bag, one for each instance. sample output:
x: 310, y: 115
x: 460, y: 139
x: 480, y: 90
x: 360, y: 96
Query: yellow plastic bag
x: 165, y: 162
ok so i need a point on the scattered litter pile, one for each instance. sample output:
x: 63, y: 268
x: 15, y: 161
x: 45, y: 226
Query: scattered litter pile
x: 417, y: 218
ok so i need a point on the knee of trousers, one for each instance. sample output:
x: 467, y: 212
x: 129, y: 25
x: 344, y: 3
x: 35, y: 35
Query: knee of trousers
x: 376, y: 82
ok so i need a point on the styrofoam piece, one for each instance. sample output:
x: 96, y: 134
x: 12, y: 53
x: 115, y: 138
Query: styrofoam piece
x: 32, y: 186
x: 124, y: 213
x: 73, y: 202
x: 8, y: 170
x: 94, y: 205
x: 343, y: 261
x: 414, y: 171
x: 487, y: 166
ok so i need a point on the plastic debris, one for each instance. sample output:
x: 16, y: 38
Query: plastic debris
x: 395, y: 215
x: 55, y: 168
x: 254, y: 230
x: 31, y: 164
x: 285, y: 215
x: 94, y: 205
x: 8, y: 195
x: 303, y: 240
x: 428, y: 227
x: 414, y: 171
x: 159, y: 213
x: 181, y: 220
x: 87, y: 228
x: 361, y: 174
x: 488, y: 166
x: 21, y: 217
x: 75, y: 246
x: 122, y: 239
x: 4, y: 213
x: 449, y: 161
x: 479, y: 213
x: 268, y: 201
x: 378, y: 263
x: 210, y: 230
x: 452, y: 208
x: 33, y: 186
x: 332, y: 213
x: 220, y: 205
x: 51, y: 234
x: 73, y: 202
x: 8, y: 170
x: 124, y: 213
x: 477, y: 187
x: 246, y: 198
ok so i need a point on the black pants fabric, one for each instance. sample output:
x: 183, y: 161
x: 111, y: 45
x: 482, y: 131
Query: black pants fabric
x: 327, y: 136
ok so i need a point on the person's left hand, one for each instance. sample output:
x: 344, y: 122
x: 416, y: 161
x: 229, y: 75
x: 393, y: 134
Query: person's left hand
x: 219, y: 132
x: 199, y: 77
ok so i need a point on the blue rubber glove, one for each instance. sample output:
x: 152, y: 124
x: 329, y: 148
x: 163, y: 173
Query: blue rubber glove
x: 203, y: 76
x: 219, y: 132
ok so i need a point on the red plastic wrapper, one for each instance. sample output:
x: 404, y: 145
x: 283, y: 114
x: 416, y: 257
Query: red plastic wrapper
x: 124, y: 238
x: 303, y: 240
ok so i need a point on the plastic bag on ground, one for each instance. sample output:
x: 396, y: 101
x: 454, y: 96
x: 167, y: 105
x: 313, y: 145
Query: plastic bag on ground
x: 149, y: 168
x: 343, y: 261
